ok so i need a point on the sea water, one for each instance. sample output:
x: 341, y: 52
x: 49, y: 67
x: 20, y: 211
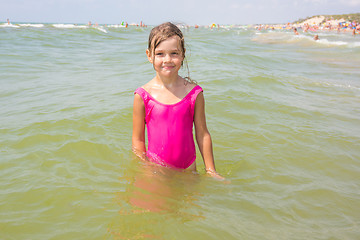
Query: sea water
x: 283, y: 112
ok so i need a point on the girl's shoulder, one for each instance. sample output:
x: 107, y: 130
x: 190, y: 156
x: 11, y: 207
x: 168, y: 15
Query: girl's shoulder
x: 189, y: 85
x: 149, y: 86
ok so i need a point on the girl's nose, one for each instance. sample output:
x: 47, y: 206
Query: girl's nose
x: 167, y: 58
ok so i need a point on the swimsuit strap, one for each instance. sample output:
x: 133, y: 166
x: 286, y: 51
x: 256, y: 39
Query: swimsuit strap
x: 194, y: 93
x: 146, y: 98
x: 143, y: 94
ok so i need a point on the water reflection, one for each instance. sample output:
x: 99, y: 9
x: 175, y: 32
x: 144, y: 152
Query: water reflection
x: 154, y: 196
x: 159, y: 189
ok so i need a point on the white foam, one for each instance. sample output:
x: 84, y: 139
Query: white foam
x: 69, y: 26
x: 305, y: 40
x: 9, y: 25
x: 337, y: 85
x: 116, y: 26
x: 101, y: 29
x: 338, y: 43
x: 32, y: 25
x: 355, y: 44
x: 332, y: 43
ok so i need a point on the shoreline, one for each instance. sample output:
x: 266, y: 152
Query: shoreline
x: 318, y: 23
x: 314, y: 24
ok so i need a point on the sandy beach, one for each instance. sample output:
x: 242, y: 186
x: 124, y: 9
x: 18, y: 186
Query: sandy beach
x: 317, y: 23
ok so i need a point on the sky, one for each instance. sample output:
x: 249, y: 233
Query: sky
x: 153, y: 12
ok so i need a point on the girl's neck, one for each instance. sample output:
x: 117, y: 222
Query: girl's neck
x: 168, y: 82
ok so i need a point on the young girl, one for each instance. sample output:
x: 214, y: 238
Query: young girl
x: 169, y: 105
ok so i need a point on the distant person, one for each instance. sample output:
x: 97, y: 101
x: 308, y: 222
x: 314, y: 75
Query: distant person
x: 169, y: 105
x: 316, y: 37
x: 8, y: 21
x: 296, y: 32
x: 306, y: 27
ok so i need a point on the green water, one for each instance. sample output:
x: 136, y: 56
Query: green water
x: 283, y: 112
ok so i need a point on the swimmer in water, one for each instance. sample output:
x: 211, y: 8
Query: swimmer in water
x: 296, y: 32
x: 169, y: 106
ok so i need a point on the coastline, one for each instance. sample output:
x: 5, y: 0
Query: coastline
x: 341, y: 23
x: 317, y: 23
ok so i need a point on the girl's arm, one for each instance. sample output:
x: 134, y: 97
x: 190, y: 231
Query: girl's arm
x: 203, y: 137
x: 138, y: 135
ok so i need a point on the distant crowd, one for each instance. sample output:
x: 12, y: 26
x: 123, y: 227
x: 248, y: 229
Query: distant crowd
x: 349, y: 26
x: 342, y: 26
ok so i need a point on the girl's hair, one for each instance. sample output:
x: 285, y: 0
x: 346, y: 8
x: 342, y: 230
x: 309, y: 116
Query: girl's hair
x: 165, y: 31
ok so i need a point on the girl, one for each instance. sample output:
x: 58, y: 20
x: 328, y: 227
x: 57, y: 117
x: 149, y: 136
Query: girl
x: 169, y: 105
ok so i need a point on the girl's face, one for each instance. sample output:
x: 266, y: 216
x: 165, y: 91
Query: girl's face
x: 168, y: 57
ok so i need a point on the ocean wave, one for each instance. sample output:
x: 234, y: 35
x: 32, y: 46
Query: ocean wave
x: 39, y: 25
x: 338, y: 85
x: 35, y: 25
x: 9, y: 25
x: 75, y: 26
x: 116, y: 26
x: 60, y: 25
x: 303, y: 40
x: 102, y: 29
x: 332, y: 43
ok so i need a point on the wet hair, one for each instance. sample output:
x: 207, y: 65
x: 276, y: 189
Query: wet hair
x: 163, y: 32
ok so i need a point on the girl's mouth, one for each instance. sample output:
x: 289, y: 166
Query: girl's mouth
x: 168, y: 67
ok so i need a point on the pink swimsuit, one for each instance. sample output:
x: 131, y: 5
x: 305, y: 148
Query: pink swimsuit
x: 170, y: 129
